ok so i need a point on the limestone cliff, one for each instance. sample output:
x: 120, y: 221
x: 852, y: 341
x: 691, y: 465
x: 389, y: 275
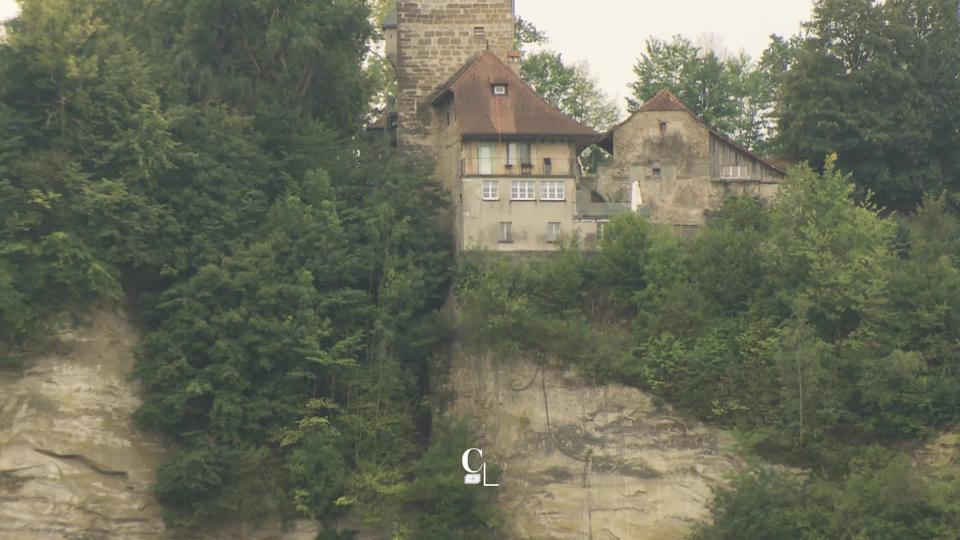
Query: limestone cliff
x: 72, y: 465
x: 581, y: 461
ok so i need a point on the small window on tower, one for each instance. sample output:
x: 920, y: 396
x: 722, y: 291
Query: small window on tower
x: 478, y: 31
x: 657, y: 170
x: 499, y: 89
x: 663, y: 128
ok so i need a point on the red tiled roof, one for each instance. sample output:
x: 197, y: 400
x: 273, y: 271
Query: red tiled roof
x: 520, y: 113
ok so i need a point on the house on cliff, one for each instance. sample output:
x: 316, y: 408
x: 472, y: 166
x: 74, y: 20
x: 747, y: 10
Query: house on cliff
x: 668, y: 164
x: 511, y: 161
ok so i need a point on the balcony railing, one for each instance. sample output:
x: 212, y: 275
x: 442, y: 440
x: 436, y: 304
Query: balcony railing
x: 543, y: 166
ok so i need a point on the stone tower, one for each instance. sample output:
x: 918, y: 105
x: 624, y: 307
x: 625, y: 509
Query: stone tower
x: 433, y: 39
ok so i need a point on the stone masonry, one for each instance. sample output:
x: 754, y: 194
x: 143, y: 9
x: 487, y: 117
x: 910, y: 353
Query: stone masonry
x: 435, y: 39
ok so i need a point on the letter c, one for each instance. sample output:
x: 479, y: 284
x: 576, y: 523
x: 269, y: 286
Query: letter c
x: 465, y: 460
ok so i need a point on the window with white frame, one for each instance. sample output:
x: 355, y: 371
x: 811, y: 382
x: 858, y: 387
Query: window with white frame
x: 505, y: 231
x: 491, y: 190
x: 553, y: 231
x: 522, y: 190
x: 735, y: 171
x: 551, y: 191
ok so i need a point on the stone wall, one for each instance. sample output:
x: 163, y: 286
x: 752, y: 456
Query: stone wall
x: 677, y: 170
x: 436, y: 38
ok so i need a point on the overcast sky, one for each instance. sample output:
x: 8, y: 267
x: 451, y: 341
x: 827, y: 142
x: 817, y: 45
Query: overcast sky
x: 7, y: 9
x: 610, y: 34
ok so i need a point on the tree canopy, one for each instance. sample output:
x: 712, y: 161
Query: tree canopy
x: 877, y: 83
x: 204, y: 162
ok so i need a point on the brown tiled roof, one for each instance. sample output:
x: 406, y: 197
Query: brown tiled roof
x: 520, y: 113
x: 666, y: 101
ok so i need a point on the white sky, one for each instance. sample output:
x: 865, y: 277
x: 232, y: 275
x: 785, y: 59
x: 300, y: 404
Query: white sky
x: 610, y: 34
x: 8, y: 8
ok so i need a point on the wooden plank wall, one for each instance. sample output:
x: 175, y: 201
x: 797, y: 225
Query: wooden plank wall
x: 723, y: 153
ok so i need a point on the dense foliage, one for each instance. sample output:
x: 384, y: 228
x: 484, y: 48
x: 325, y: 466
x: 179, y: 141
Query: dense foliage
x: 812, y: 327
x: 202, y: 161
x: 287, y: 275
x: 877, y: 83
x: 881, y: 498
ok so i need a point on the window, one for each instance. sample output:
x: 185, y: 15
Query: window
x: 551, y: 191
x: 521, y: 190
x: 491, y: 190
x: 478, y: 31
x: 600, y: 226
x: 547, y: 166
x: 505, y: 232
x: 735, y: 171
x: 486, y: 154
x: 518, y: 153
x: 663, y: 128
x: 657, y: 170
x: 499, y: 89
x: 553, y: 232
x: 525, y: 158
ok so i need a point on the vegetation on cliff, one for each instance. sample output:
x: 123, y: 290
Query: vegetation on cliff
x: 207, y: 161
x: 818, y: 328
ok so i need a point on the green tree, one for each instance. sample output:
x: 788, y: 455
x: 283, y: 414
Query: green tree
x: 570, y: 88
x: 871, y: 81
x: 732, y: 94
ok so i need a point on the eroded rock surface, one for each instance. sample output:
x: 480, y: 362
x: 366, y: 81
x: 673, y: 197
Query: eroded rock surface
x: 608, y: 464
x: 72, y: 465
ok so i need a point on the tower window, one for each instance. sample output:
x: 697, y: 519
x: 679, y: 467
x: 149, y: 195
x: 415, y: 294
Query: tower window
x: 478, y: 31
x: 663, y: 128
x: 499, y: 89
x: 657, y: 170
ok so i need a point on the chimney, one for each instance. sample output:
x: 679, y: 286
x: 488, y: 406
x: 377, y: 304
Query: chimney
x: 513, y: 60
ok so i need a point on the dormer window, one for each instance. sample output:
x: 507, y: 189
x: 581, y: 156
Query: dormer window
x: 499, y: 89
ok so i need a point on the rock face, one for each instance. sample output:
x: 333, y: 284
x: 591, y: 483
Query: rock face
x: 580, y: 461
x: 72, y: 465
